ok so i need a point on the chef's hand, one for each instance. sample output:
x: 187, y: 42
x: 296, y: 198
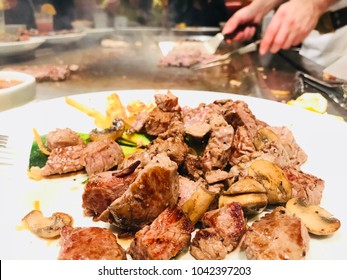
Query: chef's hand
x: 252, y: 14
x: 291, y: 23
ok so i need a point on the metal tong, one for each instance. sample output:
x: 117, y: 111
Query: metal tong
x: 225, y: 58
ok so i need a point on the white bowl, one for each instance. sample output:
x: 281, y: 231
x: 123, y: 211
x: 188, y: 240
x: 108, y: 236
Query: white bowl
x: 18, y: 94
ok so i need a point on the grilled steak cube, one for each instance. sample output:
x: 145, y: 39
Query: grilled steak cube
x: 305, y: 185
x: 101, y: 190
x: 101, y: 156
x: 91, y: 243
x: 62, y: 138
x: 154, y: 189
x: 64, y: 160
x: 226, y: 227
x: 276, y: 236
x: 169, y: 233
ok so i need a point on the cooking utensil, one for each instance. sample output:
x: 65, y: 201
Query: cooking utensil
x: 225, y: 57
x: 212, y: 45
x: 312, y: 70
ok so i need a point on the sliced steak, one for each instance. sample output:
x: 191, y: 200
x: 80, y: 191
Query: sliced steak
x: 62, y: 138
x: 154, y: 189
x: 91, y: 243
x: 276, y: 236
x: 101, y: 156
x: 64, y: 160
x: 305, y: 185
x: 226, y: 226
x: 101, y: 190
x: 168, y: 235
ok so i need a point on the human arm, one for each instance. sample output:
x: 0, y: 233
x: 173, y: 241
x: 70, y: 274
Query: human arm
x: 252, y: 14
x: 291, y: 23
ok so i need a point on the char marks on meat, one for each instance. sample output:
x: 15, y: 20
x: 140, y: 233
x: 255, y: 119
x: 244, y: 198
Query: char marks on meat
x: 90, y: 243
x: 276, y: 236
x: 225, y: 227
x: 101, y: 156
x: 168, y: 235
x: 154, y: 189
x: 305, y: 185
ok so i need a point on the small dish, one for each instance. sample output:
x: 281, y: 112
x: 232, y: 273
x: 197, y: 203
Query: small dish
x: 16, y: 89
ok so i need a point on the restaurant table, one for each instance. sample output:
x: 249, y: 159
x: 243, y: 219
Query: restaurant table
x: 136, y: 65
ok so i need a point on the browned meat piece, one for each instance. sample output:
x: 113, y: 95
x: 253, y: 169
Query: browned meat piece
x: 174, y: 147
x: 227, y: 226
x: 295, y: 153
x: 207, y: 244
x: 167, y: 102
x: 217, y: 152
x: 192, y: 166
x: 64, y: 160
x: 171, y: 142
x: 139, y: 123
x: 90, y: 243
x: 169, y: 233
x: 158, y: 121
x: 186, y: 188
x: 196, y: 120
x: 186, y: 54
x: 101, y: 156
x: 242, y: 146
x: 305, y: 185
x: 237, y: 113
x: 276, y: 236
x: 216, y: 176
x: 42, y: 73
x: 154, y: 189
x: 62, y: 138
x: 101, y: 190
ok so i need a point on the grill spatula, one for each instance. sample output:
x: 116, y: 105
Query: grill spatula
x: 212, y: 44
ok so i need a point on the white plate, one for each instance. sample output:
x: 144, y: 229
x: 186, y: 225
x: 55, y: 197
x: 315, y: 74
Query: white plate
x: 322, y: 137
x: 15, y: 48
x: 62, y: 39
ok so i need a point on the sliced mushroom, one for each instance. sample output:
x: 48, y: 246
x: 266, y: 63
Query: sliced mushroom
x: 252, y: 203
x: 113, y: 133
x: 47, y: 227
x: 198, y: 203
x: 249, y: 193
x: 317, y: 220
x: 272, y: 177
x: 263, y: 137
x: 245, y: 185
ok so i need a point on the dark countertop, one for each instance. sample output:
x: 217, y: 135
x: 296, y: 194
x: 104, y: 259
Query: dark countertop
x: 136, y: 66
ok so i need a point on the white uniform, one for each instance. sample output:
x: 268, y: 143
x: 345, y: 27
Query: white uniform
x: 325, y: 49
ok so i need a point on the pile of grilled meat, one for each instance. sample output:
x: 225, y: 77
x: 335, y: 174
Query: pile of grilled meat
x: 208, y: 171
